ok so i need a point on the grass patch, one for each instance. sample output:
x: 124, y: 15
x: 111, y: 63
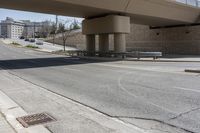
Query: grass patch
x: 31, y: 46
x: 16, y: 44
x: 67, y: 52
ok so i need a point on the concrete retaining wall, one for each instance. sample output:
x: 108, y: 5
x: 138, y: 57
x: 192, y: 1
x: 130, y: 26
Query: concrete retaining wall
x: 182, y: 40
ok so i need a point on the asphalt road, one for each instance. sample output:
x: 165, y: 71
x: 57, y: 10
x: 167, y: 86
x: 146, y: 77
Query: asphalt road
x: 155, y: 95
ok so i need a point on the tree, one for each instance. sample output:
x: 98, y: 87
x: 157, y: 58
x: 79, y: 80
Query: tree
x: 45, y: 29
x: 66, y: 30
x: 75, y: 25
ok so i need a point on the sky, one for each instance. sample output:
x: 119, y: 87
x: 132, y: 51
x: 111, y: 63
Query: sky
x: 24, y: 15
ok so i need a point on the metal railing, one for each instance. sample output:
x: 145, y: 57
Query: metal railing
x: 133, y: 54
x: 195, y: 3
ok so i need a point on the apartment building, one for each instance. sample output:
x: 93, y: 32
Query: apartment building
x: 32, y: 29
x: 11, y: 28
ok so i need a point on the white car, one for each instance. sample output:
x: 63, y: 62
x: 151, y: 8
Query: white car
x: 39, y: 42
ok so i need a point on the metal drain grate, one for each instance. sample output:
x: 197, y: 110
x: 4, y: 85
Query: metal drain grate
x: 35, y: 119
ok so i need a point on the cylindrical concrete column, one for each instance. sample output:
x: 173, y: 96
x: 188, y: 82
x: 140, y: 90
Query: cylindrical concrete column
x: 90, y: 42
x: 104, y: 43
x: 120, y: 42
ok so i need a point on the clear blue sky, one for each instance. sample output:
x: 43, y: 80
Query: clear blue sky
x: 21, y: 15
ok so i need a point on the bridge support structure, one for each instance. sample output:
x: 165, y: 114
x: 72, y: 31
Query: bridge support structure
x: 104, y: 26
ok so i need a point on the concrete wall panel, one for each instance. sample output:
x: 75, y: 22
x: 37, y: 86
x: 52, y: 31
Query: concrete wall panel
x: 182, y: 40
x: 109, y: 24
x: 152, y: 11
x: 115, y: 5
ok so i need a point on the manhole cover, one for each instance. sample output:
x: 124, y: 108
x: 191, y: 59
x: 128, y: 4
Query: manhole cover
x: 35, y: 119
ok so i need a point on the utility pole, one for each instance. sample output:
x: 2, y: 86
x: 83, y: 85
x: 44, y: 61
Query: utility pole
x: 56, y: 23
x: 55, y: 29
x: 34, y: 30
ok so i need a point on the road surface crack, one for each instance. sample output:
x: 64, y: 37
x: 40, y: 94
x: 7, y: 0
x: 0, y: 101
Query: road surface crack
x: 185, y: 113
x: 160, y: 130
x: 156, y: 120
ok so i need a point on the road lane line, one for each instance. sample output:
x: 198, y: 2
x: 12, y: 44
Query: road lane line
x: 71, y: 69
x: 143, y: 99
x: 187, y: 89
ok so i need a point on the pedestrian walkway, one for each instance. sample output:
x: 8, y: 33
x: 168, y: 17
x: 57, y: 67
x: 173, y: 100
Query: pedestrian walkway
x: 4, y: 126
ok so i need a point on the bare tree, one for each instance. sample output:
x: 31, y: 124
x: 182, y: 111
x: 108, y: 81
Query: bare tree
x: 66, y: 29
x: 45, y: 30
x: 76, y: 24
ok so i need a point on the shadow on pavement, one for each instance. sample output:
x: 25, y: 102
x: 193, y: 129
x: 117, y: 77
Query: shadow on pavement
x: 45, y: 62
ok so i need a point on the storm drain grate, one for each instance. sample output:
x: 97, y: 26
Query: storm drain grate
x: 35, y: 119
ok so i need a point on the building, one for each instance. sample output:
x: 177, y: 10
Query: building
x: 33, y: 29
x: 11, y: 28
x: 0, y: 30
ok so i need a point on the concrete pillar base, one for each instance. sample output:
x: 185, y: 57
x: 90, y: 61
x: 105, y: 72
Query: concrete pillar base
x: 90, y: 41
x: 103, y: 44
x: 119, y: 42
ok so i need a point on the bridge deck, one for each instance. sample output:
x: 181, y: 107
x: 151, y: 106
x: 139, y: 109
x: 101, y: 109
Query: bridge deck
x: 151, y: 12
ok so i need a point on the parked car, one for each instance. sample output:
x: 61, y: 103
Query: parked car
x: 4, y: 37
x: 26, y: 39
x: 39, y: 42
x: 22, y: 37
x: 32, y: 40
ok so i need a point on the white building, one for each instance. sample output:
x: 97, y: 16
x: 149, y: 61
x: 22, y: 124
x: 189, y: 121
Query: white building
x: 0, y: 30
x: 34, y: 28
x: 11, y: 28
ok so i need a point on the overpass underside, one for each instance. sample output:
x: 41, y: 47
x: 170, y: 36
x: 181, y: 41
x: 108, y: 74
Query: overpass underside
x: 104, y: 17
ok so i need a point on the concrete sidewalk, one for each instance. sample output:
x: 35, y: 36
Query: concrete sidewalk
x: 5, y: 127
x: 46, y: 47
x: 72, y: 117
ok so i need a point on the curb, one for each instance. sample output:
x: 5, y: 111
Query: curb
x: 131, y: 59
x: 100, y: 58
x: 43, y: 50
x: 12, y: 110
x: 162, y: 60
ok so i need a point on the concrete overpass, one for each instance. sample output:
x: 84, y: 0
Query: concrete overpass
x: 104, y: 17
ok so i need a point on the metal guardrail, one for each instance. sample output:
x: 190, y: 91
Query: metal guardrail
x: 195, y: 3
x: 134, y: 54
x: 138, y: 54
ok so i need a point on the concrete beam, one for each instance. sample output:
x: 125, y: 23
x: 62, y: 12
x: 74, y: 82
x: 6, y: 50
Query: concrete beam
x: 149, y: 12
x: 107, y: 25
